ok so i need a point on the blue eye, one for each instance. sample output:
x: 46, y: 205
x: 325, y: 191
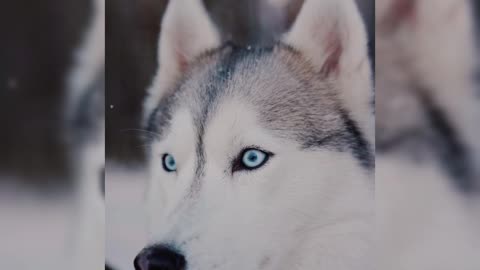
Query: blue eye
x: 169, y: 163
x: 252, y: 159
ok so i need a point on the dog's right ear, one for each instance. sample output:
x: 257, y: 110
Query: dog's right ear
x: 330, y: 34
x: 186, y: 33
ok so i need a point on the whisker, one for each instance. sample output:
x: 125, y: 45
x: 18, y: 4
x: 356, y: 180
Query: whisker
x: 143, y: 131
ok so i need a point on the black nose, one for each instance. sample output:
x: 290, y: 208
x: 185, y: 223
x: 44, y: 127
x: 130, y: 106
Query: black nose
x: 159, y: 258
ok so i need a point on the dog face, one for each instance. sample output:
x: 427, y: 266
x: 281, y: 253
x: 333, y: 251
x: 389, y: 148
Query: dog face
x: 261, y: 159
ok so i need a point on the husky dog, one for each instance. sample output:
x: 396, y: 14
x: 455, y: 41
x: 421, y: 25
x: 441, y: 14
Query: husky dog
x: 85, y: 129
x: 262, y: 157
x: 427, y: 135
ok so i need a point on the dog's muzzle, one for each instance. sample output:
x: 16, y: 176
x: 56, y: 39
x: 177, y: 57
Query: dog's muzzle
x: 159, y: 258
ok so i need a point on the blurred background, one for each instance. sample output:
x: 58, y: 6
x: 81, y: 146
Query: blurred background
x: 52, y: 134
x: 427, y: 175
x: 38, y: 39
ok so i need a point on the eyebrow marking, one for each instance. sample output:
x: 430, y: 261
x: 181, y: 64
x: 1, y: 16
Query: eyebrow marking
x: 160, y: 118
x: 200, y: 167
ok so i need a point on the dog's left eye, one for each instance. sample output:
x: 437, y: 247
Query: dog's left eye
x: 169, y: 163
x: 250, y: 159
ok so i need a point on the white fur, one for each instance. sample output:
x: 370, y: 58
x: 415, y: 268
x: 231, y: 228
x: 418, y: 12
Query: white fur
x: 302, y: 210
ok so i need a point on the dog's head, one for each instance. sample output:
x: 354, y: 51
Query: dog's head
x: 262, y: 157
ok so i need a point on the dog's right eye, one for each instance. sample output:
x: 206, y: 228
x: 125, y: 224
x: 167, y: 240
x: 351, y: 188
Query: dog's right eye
x: 250, y: 159
x: 169, y: 163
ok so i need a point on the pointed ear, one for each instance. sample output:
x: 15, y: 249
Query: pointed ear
x: 186, y: 33
x: 331, y: 34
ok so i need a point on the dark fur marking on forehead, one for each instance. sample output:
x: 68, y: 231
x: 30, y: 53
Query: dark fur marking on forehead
x: 200, y: 167
x: 160, y: 118
x: 217, y: 83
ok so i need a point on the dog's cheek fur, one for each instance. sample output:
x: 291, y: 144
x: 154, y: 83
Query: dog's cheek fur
x: 271, y: 218
x: 166, y: 190
x: 294, y: 212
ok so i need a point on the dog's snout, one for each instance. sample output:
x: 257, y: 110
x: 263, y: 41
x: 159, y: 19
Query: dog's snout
x: 159, y: 258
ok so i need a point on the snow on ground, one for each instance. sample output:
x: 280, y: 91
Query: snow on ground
x: 125, y: 216
x: 35, y: 230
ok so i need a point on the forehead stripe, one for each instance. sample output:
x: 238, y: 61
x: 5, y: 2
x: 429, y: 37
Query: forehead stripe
x: 217, y: 81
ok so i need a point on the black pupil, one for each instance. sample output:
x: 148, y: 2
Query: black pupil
x: 252, y: 157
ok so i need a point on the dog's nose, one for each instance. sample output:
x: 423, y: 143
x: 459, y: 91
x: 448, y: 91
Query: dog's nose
x: 159, y: 258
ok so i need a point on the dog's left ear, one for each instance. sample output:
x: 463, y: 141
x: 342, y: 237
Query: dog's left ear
x: 331, y: 34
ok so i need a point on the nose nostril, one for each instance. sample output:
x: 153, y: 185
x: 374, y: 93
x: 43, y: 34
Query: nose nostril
x: 141, y: 261
x: 159, y: 258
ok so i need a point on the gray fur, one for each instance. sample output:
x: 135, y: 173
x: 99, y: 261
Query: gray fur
x: 292, y: 100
